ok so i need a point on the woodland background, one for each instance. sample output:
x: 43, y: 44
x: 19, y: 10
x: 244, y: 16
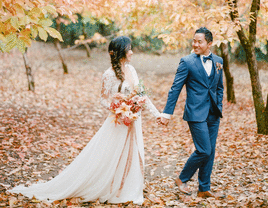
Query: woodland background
x: 49, y: 113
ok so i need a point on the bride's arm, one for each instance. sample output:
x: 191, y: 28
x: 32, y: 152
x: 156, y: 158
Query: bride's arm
x: 149, y: 105
x: 106, y: 89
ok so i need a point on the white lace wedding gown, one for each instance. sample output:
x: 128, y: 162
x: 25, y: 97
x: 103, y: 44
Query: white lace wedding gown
x: 110, y: 167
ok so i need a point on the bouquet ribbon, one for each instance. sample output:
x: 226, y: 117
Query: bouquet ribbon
x: 131, y: 137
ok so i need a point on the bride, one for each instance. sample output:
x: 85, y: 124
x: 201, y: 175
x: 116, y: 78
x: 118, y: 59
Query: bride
x: 110, y: 167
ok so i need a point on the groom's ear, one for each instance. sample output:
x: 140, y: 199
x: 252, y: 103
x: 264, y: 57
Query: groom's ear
x: 210, y: 44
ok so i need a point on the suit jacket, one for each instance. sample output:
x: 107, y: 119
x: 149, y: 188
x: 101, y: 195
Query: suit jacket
x: 200, y: 94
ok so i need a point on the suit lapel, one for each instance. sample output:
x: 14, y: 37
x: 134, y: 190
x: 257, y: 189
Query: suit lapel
x: 201, y: 69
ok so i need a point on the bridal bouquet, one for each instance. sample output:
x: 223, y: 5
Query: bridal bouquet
x: 125, y: 108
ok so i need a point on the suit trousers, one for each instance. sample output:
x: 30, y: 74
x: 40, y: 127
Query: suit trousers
x: 204, y: 136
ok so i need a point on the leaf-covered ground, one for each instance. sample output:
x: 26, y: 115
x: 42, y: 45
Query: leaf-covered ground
x: 42, y: 132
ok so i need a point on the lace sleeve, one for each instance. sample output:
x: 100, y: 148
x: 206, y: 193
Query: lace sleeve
x: 106, y: 89
x: 149, y: 105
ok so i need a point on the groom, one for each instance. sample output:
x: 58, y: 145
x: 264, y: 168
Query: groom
x: 201, y: 72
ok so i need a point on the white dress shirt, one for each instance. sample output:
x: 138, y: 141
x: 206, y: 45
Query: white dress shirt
x: 207, y: 65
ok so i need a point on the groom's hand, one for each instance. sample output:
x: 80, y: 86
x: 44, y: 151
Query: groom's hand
x: 162, y: 121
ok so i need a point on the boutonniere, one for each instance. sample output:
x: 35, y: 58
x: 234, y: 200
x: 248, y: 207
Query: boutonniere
x: 219, y: 67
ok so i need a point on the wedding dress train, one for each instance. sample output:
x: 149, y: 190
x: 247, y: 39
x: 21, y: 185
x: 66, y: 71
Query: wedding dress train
x: 110, y: 167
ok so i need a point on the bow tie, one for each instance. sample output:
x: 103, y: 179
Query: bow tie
x: 205, y: 58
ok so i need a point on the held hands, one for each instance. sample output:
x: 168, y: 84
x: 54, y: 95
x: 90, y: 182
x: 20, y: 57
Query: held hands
x: 162, y: 121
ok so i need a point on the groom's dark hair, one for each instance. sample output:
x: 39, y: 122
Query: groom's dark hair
x: 206, y: 32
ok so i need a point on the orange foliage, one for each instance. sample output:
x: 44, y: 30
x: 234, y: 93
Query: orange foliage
x: 175, y: 20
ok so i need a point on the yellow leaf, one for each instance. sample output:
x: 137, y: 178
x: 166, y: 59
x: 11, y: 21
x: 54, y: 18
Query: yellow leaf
x: 35, y: 201
x: 42, y: 33
x: 2, y: 27
x: 11, y: 42
x: 9, y: 28
x: 50, y: 9
x: 104, y: 21
x: 81, y: 37
x: 26, y: 32
x: 19, y: 10
x: 77, y: 42
x: 45, y: 22
x: 22, y: 20
x: 34, y: 32
x: 21, y: 45
x: 35, y: 12
x: 14, y: 22
x: 2, y: 47
x: 54, y: 33
x: 26, y: 40
x: 232, y: 44
x: 27, y: 20
x: 2, y: 37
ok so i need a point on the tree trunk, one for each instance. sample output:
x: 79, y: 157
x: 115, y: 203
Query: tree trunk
x: 256, y: 89
x: 57, y: 44
x: 87, y: 49
x: 266, y: 51
x: 228, y: 75
x: 86, y: 44
x: 248, y: 44
x: 266, y: 115
x: 28, y: 71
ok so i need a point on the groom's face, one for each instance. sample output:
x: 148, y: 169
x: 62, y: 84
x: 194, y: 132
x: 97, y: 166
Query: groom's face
x: 200, y: 45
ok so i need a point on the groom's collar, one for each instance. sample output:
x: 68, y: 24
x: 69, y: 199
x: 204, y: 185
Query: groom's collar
x: 201, y: 56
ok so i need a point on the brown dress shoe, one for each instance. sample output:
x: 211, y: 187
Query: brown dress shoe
x: 206, y: 194
x: 182, y: 187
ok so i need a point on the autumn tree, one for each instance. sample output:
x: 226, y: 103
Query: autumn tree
x: 21, y: 21
x: 246, y: 23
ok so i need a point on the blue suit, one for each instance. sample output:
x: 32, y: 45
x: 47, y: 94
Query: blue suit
x: 203, y: 109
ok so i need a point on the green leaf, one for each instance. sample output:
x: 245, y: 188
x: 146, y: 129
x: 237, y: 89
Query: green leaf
x: 42, y: 33
x: 54, y: 33
x: 45, y: 22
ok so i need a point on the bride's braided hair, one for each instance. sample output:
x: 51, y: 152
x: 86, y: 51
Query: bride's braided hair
x: 118, y: 48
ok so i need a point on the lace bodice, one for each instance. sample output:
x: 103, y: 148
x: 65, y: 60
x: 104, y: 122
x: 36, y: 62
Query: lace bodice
x: 110, y: 86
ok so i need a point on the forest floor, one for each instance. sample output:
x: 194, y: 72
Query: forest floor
x: 42, y: 132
